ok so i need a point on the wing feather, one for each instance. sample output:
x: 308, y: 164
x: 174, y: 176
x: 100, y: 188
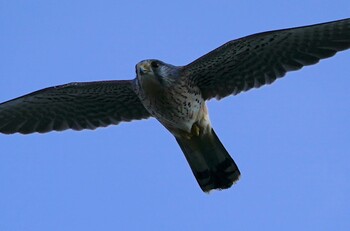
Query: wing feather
x: 76, y: 106
x: 260, y: 59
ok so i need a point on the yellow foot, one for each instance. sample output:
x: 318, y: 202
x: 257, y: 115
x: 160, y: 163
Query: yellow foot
x: 195, y: 130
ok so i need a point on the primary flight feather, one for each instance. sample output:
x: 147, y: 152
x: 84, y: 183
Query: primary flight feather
x: 176, y: 95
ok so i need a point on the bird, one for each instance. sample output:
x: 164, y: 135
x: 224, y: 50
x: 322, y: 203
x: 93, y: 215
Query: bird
x: 176, y: 95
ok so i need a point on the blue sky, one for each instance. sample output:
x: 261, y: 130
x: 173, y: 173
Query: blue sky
x: 290, y: 139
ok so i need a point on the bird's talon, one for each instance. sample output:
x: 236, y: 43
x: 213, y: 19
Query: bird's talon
x: 195, y: 130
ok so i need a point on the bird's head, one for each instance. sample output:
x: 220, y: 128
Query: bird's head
x: 156, y: 72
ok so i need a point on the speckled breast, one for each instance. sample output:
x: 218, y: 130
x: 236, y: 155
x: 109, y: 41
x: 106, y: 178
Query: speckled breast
x: 176, y: 106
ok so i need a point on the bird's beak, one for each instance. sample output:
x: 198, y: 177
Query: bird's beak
x: 144, y: 68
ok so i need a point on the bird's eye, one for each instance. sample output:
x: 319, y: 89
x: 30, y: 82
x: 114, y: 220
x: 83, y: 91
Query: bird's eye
x: 154, y: 64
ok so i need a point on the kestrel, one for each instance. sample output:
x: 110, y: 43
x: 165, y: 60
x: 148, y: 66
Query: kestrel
x: 176, y: 95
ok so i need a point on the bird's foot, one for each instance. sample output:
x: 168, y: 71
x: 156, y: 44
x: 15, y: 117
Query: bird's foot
x: 195, y: 130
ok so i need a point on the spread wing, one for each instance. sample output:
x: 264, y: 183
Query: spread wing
x: 76, y: 106
x: 260, y: 59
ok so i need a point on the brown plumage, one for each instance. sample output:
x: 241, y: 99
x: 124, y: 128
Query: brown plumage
x: 210, y: 163
x: 176, y: 95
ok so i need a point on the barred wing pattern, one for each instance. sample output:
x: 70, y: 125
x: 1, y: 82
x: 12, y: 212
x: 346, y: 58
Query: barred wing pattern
x: 260, y: 59
x: 76, y: 106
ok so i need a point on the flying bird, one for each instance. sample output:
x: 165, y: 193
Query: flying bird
x: 176, y: 95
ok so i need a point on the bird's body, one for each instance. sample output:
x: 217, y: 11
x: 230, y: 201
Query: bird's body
x: 176, y: 95
x: 180, y: 107
x: 172, y: 101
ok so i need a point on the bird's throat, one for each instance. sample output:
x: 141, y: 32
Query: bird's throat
x: 152, y: 87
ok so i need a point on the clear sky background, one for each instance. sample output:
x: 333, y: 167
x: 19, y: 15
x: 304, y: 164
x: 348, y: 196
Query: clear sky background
x: 290, y: 139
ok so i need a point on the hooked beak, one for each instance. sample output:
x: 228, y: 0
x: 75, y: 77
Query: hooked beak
x: 144, y: 68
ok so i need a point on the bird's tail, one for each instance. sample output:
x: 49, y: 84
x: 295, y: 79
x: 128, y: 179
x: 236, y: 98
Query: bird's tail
x: 211, y: 164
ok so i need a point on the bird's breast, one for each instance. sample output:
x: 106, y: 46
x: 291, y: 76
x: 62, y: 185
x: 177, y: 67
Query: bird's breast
x: 177, y: 106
